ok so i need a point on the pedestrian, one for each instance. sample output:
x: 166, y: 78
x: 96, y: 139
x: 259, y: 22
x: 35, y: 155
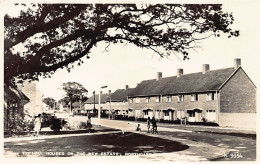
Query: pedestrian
x: 154, y: 129
x: 138, y: 127
x: 89, y: 125
x: 37, y: 125
x: 148, y: 124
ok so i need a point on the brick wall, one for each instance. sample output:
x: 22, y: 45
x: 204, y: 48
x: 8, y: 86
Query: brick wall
x: 238, y: 95
x: 238, y: 120
x: 202, y: 103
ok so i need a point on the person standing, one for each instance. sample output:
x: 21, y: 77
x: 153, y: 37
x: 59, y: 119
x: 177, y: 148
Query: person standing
x: 37, y: 125
x: 89, y: 125
x: 148, y: 124
x: 154, y: 129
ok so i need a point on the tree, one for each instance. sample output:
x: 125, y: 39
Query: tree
x: 57, y: 36
x: 74, y: 92
x: 49, y: 101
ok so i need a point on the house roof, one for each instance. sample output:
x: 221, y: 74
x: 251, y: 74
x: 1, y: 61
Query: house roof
x: 76, y: 104
x: 187, y: 83
x: 103, y: 97
x: 14, y: 94
x: 120, y: 95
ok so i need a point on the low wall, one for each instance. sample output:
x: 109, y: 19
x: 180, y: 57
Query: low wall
x: 238, y: 120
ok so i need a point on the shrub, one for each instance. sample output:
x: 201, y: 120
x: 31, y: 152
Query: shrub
x: 18, y: 125
x: 82, y: 125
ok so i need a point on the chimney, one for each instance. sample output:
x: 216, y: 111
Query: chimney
x: 100, y: 92
x: 109, y: 91
x: 237, y: 63
x: 179, y: 72
x: 159, y: 75
x: 126, y: 86
x: 205, y: 68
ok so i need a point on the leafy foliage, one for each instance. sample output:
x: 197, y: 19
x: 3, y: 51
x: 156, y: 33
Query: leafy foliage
x: 74, y: 92
x: 49, y: 101
x: 55, y: 36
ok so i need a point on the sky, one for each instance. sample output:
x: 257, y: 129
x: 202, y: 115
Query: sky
x: 128, y: 65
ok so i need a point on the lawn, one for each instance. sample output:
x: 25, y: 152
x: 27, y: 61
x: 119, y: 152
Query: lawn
x: 102, y: 144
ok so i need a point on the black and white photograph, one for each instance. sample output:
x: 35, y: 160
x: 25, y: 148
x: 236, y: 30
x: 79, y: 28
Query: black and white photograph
x: 130, y: 82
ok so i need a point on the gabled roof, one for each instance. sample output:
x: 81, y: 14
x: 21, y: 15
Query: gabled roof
x: 104, y: 97
x: 120, y: 95
x: 187, y: 83
x: 14, y: 94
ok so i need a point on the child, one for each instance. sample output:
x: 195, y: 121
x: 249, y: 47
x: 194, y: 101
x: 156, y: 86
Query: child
x: 138, y: 128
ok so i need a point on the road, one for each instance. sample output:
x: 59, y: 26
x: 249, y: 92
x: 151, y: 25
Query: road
x: 203, y: 145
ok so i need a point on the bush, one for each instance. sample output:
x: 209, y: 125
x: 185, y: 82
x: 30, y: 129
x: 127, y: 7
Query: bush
x: 82, y: 125
x: 18, y: 125
x: 55, y: 124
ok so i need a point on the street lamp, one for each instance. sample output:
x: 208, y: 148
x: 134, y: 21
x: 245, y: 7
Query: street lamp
x: 99, y: 101
x: 94, y: 104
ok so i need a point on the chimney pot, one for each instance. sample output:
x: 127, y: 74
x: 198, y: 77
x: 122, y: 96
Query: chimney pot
x: 109, y: 91
x: 126, y: 86
x: 100, y: 92
x: 237, y: 63
x: 205, y: 68
x: 179, y: 72
x: 159, y: 75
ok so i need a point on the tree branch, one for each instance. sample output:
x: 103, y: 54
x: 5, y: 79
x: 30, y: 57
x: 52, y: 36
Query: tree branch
x: 30, y: 31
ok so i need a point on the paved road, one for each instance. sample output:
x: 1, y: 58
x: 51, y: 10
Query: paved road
x: 240, y: 148
x: 203, y: 145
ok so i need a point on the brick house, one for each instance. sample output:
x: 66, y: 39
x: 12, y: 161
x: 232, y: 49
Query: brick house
x: 225, y: 96
x: 117, y: 103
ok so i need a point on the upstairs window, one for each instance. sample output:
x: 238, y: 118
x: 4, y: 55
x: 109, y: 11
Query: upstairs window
x: 194, y: 97
x: 137, y: 100
x: 169, y: 99
x: 157, y: 99
x: 148, y: 99
x: 181, y: 98
x: 211, y: 96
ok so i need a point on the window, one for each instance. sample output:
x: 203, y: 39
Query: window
x: 194, y: 97
x: 130, y: 100
x: 166, y: 113
x: 181, y: 98
x: 148, y: 99
x: 137, y: 100
x: 157, y: 99
x: 191, y: 113
x: 211, y: 96
x: 146, y: 112
x: 169, y: 99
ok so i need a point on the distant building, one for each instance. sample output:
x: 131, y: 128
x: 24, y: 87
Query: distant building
x: 78, y: 107
x: 225, y: 96
x: 118, y: 103
x: 92, y: 104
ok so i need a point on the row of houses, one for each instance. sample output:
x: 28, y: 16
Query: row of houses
x: 224, y: 96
